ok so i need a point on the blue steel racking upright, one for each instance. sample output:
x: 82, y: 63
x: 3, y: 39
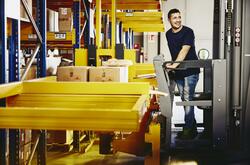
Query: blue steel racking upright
x: 77, y: 22
x: 14, y: 75
x: 14, y: 134
x: 41, y: 68
x: 2, y: 78
x: 86, y: 28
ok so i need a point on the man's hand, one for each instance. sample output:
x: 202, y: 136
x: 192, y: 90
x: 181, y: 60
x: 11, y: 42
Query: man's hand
x: 172, y: 66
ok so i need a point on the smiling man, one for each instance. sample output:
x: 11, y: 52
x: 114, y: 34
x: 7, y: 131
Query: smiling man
x: 181, y: 45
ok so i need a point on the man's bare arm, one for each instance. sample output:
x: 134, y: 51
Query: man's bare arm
x: 181, y: 56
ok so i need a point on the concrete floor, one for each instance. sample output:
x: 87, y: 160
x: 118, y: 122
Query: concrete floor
x: 92, y: 157
x: 181, y: 156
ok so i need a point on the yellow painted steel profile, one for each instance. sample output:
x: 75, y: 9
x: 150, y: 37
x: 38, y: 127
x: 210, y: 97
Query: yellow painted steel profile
x: 75, y: 106
x: 69, y: 118
x: 141, y: 69
x: 81, y: 57
x: 98, y: 23
x: 10, y: 89
x: 113, y: 29
x: 86, y: 88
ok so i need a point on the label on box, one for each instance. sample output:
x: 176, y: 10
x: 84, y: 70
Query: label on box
x: 32, y: 36
x: 64, y: 11
x: 60, y: 36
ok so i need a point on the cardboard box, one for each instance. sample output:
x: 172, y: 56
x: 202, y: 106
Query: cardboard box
x: 59, y: 137
x: 108, y: 74
x: 23, y: 14
x: 65, y: 19
x: 72, y: 73
x: 31, y: 73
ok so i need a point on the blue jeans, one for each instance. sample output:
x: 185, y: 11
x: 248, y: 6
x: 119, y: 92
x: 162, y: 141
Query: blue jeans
x: 186, y: 89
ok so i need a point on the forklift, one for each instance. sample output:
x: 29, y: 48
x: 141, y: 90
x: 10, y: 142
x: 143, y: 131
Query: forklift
x: 225, y: 99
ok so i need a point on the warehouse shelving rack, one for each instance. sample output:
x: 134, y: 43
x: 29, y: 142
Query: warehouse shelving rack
x: 80, y: 30
x: 41, y: 49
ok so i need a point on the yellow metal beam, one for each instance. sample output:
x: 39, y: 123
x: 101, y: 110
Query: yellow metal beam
x: 39, y: 116
x: 81, y: 57
x: 51, y: 36
x: 144, y: 25
x: 130, y: 54
x: 49, y: 78
x: 113, y: 29
x: 143, y: 22
x: 140, y: 69
x: 75, y: 98
x: 148, y: 29
x: 100, y: 52
x: 86, y: 88
x: 139, y: 14
x: 110, y: 52
x: 140, y: 19
x: 73, y: 101
x: 69, y: 119
x: 139, y: 6
x: 98, y: 23
x: 10, y: 89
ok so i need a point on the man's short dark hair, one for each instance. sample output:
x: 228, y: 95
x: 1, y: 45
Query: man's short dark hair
x: 172, y: 11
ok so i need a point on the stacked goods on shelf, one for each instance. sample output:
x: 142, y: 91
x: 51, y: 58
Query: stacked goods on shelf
x: 72, y: 73
x: 65, y: 20
x: 108, y: 74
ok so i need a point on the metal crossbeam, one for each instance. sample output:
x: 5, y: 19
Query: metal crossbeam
x: 71, y: 119
x: 85, y: 88
x: 195, y: 103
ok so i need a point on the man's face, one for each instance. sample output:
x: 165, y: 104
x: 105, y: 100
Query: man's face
x: 175, y: 20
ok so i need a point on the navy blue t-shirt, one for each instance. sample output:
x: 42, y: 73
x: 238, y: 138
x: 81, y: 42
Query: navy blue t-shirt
x: 175, y: 42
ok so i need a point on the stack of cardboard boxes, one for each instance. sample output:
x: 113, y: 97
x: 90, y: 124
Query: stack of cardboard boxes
x: 72, y: 73
x: 65, y: 19
x: 108, y: 74
x: 92, y: 74
x: 60, y: 21
x: 84, y: 74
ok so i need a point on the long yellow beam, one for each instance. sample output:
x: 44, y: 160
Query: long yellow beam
x: 141, y: 26
x: 10, y: 89
x: 98, y: 23
x: 141, y: 6
x: 139, y: 14
x: 42, y: 86
x: 86, y: 88
x: 148, y: 29
x: 73, y: 101
x: 143, y: 22
x: 113, y: 29
x: 72, y: 119
x: 81, y: 118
